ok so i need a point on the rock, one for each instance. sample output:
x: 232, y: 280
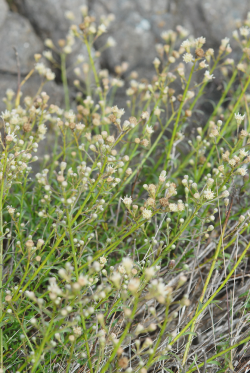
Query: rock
x: 48, y: 16
x: 30, y: 88
x: 136, y: 29
x: 17, y: 32
x: 213, y: 19
x: 139, y: 24
x: 3, y: 12
x: 49, y: 21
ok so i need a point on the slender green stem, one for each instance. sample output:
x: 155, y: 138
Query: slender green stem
x: 72, y: 243
x: 86, y: 341
x: 187, y: 159
x: 150, y: 150
x: 70, y: 358
x: 224, y: 128
x: 64, y: 80
x: 92, y: 63
x: 24, y: 332
x: 124, y: 334
x: 1, y: 282
x: 1, y: 257
x: 178, y: 115
x: 40, y: 351
x: 160, y: 335
x: 223, y: 352
x: 203, y: 294
x: 212, y: 297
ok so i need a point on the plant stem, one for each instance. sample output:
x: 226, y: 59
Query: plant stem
x: 224, y: 128
x: 93, y: 68
x: 204, y: 291
x: 1, y: 258
x: 86, y: 341
x: 212, y: 296
x: 72, y: 243
x: 160, y: 335
x: 1, y: 282
x: 178, y: 116
x: 64, y: 80
x: 124, y: 334
x: 223, y: 352
x: 150, y: 150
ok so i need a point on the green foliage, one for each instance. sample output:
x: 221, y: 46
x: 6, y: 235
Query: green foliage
x: 133, y: 230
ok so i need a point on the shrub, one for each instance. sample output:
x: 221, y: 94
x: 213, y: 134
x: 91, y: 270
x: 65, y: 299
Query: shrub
x: 127, y: 251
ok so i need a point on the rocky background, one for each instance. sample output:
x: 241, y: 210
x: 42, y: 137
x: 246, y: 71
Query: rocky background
x: 25, y: 24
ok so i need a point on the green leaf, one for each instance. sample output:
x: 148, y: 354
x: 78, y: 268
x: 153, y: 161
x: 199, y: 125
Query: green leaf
x: 190, y: 333
x: 214, y: 362
x: 164, y: 357
x: 200, y: 305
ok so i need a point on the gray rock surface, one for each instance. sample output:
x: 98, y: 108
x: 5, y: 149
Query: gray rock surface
x: 137, y: 28
x: 139, y: 24
x: 48, y: 20
x: 17, y: 32
x: 48, y: 16
x: 3, y: 12
x: 214, y: 19
x: 9, y: 81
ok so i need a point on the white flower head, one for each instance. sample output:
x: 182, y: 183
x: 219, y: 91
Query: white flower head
x: 156, y: 62
x: 111, y: 42
x: 127, y: 264
x: 203, y: 64
x: 145, y: 115
x: 40, y: 67
x: 200, y: 41
x: 225, y: 194
x: 208, y: 76
x: 224, y: 42
x: 121, y: 269
x: 243, y: 153
x: 188, y: 57
x: 242, y: 171
x: 186, y: 44
x: 69, y: 15
x: 165, y: 35
x: 5, y: 114
x: 42, y: 129
x: 102, y: 28
x: 208, y: 194
x: 180, y: 206
x: 134, y: 285
x: 146, y: 214
x: 50, y: 75
x: 48, y: 55
x: 232, y: 162
x: 103, y: 260
x: 239, y: 118
x: 149, y: 129
x: 10, y: 136
x: 244, y: 31
x: 127, y: 201
x: 116, y: 279
x: 173, y: 207
x: 183, y: 32
x: 49, y: 43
